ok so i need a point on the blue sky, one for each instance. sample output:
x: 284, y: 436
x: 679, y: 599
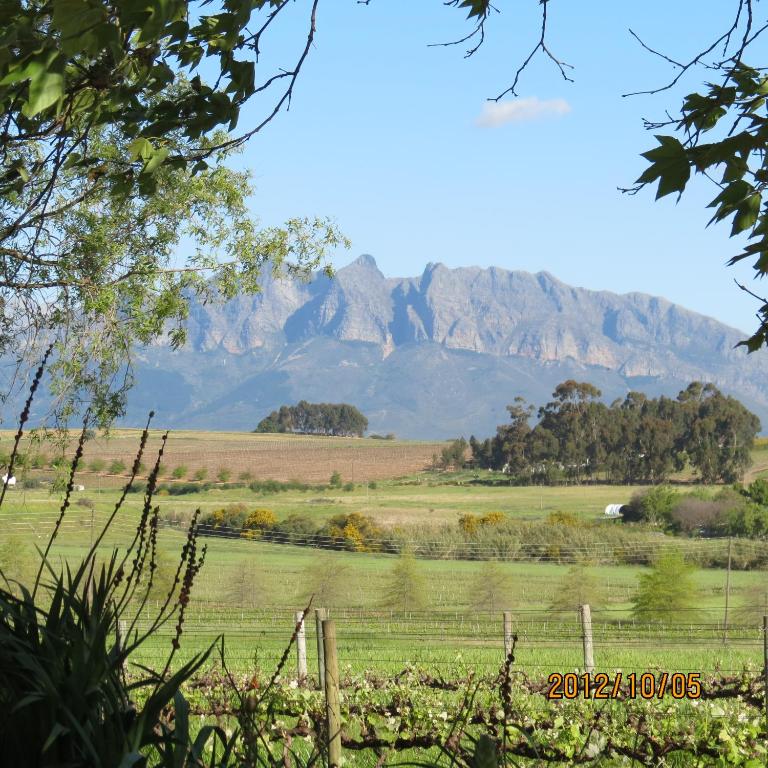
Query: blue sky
x: 387, y: 136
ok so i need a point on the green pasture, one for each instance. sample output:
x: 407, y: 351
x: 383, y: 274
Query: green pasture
x: 258, y: 650
x: 283, y: 573
x: 422, y: 500
x: 248, y: 590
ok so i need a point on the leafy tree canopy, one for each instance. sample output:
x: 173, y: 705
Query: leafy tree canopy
x: 340, y: 419
x: 405, y: 588
x: 720, y: 132
x: 638, y: 439
x: 667, y: 593
x: 113, y: 151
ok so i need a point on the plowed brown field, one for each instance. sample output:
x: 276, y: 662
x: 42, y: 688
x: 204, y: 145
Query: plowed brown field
x: 275, y: 457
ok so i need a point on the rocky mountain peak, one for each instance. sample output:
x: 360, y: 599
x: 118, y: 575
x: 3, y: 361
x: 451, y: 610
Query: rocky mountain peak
x: 364, y: 261
x: 508, y: 318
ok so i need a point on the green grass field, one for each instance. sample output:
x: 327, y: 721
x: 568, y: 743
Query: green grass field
x: 423, y: 499
x: 248, y: 590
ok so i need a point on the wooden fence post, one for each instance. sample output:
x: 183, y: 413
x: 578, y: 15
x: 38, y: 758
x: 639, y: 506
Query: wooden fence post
x: 586, y: 635
x: 727, y: 593
x: 507, y: 633
x: 301, y: 648
x: 765, y: 666
x: 320, y: 615
x: 332, y: 707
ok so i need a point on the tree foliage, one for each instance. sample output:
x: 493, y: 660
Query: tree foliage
x: 327, y: 581
x: 654, y: 505
x: 667, y: 593
x: 247, y: 587
x: 491, y: 587
x: 580, y: 586
x: 116, y: 123
x: 634, y: 440
x: 258, y: 522
x: 732, y: 112
x: 338, y: 419
x: 352, y: 531
x: 453, y: 455
x: 114, y: 149
x: 721, y: 131
x: 116, y: 203
x: 227, y: 521
x: 405, y: 589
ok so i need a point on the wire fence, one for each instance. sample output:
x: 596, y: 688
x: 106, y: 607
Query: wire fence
x: 746, y: 553
x: 452, y: 645
x: 450, y: 641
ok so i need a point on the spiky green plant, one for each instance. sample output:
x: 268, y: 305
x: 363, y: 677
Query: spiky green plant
x: 64, y: 696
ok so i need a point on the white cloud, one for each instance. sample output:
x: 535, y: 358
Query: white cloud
x: 520, y: 111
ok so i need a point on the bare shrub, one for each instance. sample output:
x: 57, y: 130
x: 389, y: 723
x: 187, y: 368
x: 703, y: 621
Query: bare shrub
x: 694, y: 515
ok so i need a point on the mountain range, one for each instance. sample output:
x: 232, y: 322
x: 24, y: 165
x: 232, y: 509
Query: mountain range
x: 433, y: 356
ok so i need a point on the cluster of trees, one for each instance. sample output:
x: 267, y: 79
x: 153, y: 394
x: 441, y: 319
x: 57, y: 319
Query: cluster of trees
x: 453, y: 456
x: 329, y: 581
x: 667, y: 593
x: 339, y: 419
x: 739, y: 511
x: 634, y: 440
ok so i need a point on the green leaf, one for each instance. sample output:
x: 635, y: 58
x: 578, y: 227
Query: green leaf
x: 141, y: 148
x: 736, y: 168
x: 160, y: 13
x: 476, y: 7
x: 181, y: 729
x: 156, y: 160
x: 731, y: 195
x: 669, y: 164
x: 485, y: 753
x: 746, y: 214
x: 44, y: 91
x: 17, y: 169
x: 57, y: 730
x: 32, y: 68
x: 77, y: 21
x: 242, y: 75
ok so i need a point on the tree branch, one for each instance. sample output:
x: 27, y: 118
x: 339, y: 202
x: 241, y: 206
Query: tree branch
x: 541, y: 45
x: 478, y: 30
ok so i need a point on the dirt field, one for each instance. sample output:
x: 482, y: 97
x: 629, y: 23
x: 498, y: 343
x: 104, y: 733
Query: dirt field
x: 275, y: 457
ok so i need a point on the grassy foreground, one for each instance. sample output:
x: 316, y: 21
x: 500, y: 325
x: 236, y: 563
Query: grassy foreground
x: 405, y: 669
x: 249, y: 590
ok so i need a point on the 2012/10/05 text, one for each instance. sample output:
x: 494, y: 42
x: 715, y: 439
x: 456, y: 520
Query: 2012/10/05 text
x: 679, y: 685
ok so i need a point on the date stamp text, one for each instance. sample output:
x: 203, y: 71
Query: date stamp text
x: 679, y: 685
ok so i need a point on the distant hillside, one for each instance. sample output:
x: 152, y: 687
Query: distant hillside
x: 432, y: 356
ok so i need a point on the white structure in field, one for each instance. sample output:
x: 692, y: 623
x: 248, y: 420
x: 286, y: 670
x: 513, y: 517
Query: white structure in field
x: 613, y: 510
x: 9, y: 481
